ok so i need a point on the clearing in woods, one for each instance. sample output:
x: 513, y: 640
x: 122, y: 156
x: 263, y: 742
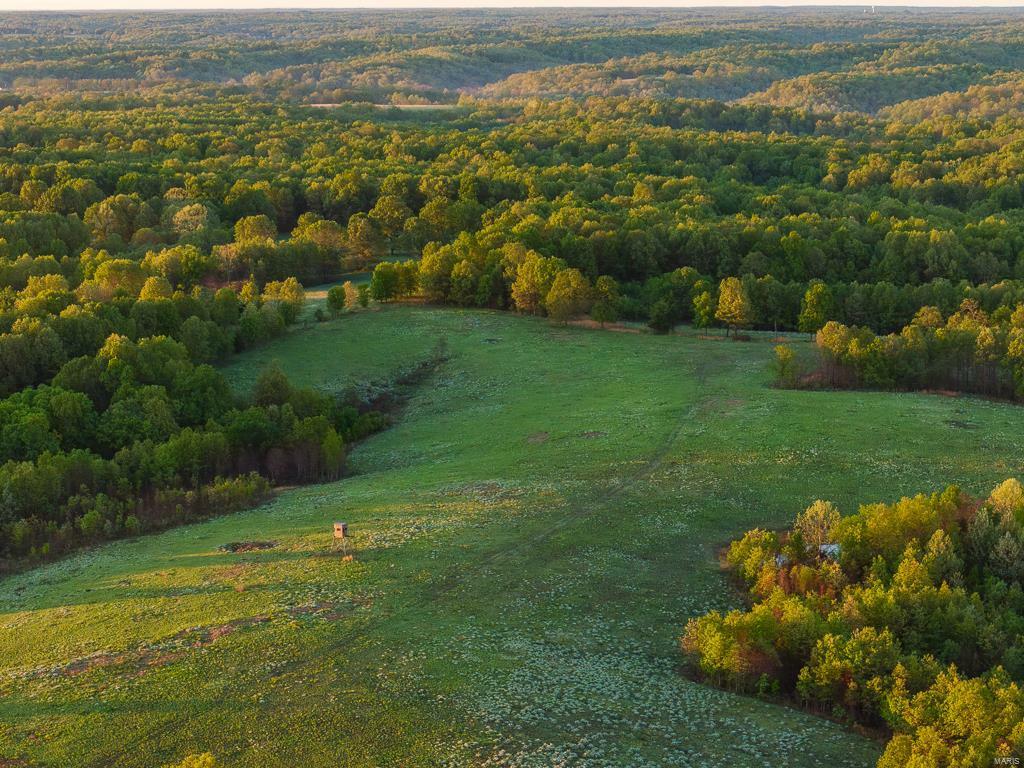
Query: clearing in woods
x: 515, y: 599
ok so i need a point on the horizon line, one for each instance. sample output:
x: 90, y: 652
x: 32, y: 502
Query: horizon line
x: 200, y: 6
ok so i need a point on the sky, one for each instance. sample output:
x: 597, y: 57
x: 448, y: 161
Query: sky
x: 85, y: 5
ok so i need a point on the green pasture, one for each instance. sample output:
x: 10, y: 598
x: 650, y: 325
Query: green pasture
x: 530, y: 539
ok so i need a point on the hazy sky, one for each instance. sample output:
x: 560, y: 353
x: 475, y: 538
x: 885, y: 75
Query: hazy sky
x: 79, y: 5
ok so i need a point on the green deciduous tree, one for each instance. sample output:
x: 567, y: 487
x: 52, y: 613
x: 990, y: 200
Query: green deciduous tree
x: 733, y: 304
x: 784, y: 366
x: 260, y: 228
x: 534, y: 276
x: 287, y: 295
x: 815, y: 308
x: 570, y: 295
x: 703, y: 309
x: 336, y: 300
x: 272, y: 387
x: 606, y: 300
x: 363, y: 245
x: 385, y: 283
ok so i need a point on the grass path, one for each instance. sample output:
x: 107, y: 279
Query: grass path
x: 532, y: 536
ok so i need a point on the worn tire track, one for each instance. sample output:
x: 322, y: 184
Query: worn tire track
x: 574, y: 511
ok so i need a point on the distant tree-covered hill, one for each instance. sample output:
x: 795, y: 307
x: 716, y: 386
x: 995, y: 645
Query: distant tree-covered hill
x: 825, y: 59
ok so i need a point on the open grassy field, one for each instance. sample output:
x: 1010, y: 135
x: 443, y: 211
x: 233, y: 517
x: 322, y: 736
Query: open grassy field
x: 532, y: 536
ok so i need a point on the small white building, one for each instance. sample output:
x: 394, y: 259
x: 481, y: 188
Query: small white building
x: 829, y: 551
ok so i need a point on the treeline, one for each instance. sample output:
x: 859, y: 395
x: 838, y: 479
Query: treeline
x: 115, y: 422
x: 764, y: 303
x: 52, y: 331
x: 468, y: 273
x: 905, y: 616
x: 970, y: 350
x: 138, y: 438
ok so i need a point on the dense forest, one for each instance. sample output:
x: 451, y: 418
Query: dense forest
x: 171, y: 186
x: 970, y: 351
x: 908, y: 616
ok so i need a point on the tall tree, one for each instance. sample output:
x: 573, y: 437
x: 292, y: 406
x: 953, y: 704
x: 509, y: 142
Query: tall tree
x: 815, y: 308
x: 703, y: 309
x: 569, y: 296
x: 606, y: 300
x: 733, y: 304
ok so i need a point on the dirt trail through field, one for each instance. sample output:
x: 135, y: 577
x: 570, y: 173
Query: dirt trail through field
x: 525, y: 554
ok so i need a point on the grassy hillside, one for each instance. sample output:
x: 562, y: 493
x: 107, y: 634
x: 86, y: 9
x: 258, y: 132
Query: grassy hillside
x: 531, y: 538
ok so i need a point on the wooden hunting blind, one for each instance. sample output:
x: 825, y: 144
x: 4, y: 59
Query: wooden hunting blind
x: 341, y: 530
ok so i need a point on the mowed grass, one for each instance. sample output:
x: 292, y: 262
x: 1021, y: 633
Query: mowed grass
x: 531, y: 537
